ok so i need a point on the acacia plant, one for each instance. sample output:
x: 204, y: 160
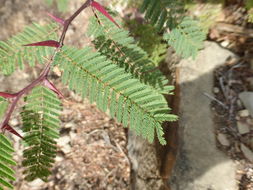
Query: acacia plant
x: 114, y: 73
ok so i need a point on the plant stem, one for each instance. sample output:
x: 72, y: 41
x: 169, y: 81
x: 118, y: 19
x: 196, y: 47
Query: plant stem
x: 43, y: 75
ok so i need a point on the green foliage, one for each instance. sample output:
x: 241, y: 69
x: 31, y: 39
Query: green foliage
x: 129, y: 101
x: 116, y: 44
x: 41, y: 127
x: 187, y: 38
x: 185, y: 35
x: 162, y: 13
x: 148, y: 40
x: 13, y: 54
x: 249, y: 4
x: 6, y: 161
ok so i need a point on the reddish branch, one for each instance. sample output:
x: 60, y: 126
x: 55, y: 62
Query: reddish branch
x: 44, y: 74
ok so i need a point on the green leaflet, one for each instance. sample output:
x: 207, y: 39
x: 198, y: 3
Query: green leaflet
x: 112, y: 88
x: 163, y: 13
x: 14, y: 55
x: 187, y: 38
x: 41, y: 127
x: 116, y: 44
x: 6, y: 161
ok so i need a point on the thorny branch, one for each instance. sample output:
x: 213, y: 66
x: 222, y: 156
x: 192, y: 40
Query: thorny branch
x: 44, y: 74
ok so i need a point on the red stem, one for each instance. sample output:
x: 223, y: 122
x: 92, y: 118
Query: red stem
x: 46, y: 70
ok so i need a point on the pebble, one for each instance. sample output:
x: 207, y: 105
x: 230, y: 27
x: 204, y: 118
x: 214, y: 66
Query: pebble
x: 63, y: 141
x: 222, y: 138
x: 216, y: 90
x: 66, y: 149
x: 247, y: 152
x: 59, y: 158
x: 69, y: 125
x: 243, y: 128
x: 247, y: 99
x: 224, y: 43
x: 243, y: 113
x: 36, y: 183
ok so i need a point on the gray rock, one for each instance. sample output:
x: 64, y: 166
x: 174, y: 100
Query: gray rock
x: 247, y: 152
x: 243, y: 113
x: 247, y: 99
x: 200, y: 165
x: 243, y: 128
x: 222, y: 138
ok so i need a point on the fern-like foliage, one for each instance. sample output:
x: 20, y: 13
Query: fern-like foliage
x: 6, y: 161
x: 13, y: 54
x: 116, y: 44
x: 163, y: 13
x: 40, y: 124
x: 131, y: 102
x: 187, y: 38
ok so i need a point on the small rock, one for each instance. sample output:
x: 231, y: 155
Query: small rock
x: 58, y: 158
x: 216, y: 90
x: 243, y: 113
x: 69, y: 125
x: 36, y: 183
x: 66, y: 149
x: 222, y: 138
x: 247, y: 152
x: 247, y: 99
x: 72, y: 135
x: 243, y: 128
x: 224, y: 43
x: 63, y: 141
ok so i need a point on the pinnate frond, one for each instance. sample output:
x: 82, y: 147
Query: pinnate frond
x: 6, y: 161
x: 117, y: 45
x: 41, y: 127
x: 14, y: 55
x: 187, y: 38
x: 131, y: 102
x: 162, y: 13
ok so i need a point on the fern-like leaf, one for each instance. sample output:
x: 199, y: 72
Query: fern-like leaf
x: 131, y: 102
x: 40, y: 124
x: 187, y: 38
x: 6, y: 160
x: 163, y: 13
x: 13, y: 54
x: 116, y: 44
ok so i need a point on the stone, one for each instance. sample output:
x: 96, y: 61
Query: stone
x: 222, y: 138
x: 243, y: 128
x: 66, y: 149
x: 247, y: 99
x: 247, y: 152
x: 243, y: 113
x: 200, y: 165
x: 216, y: 90
x: 63, y: 141
x: 36, y: 183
